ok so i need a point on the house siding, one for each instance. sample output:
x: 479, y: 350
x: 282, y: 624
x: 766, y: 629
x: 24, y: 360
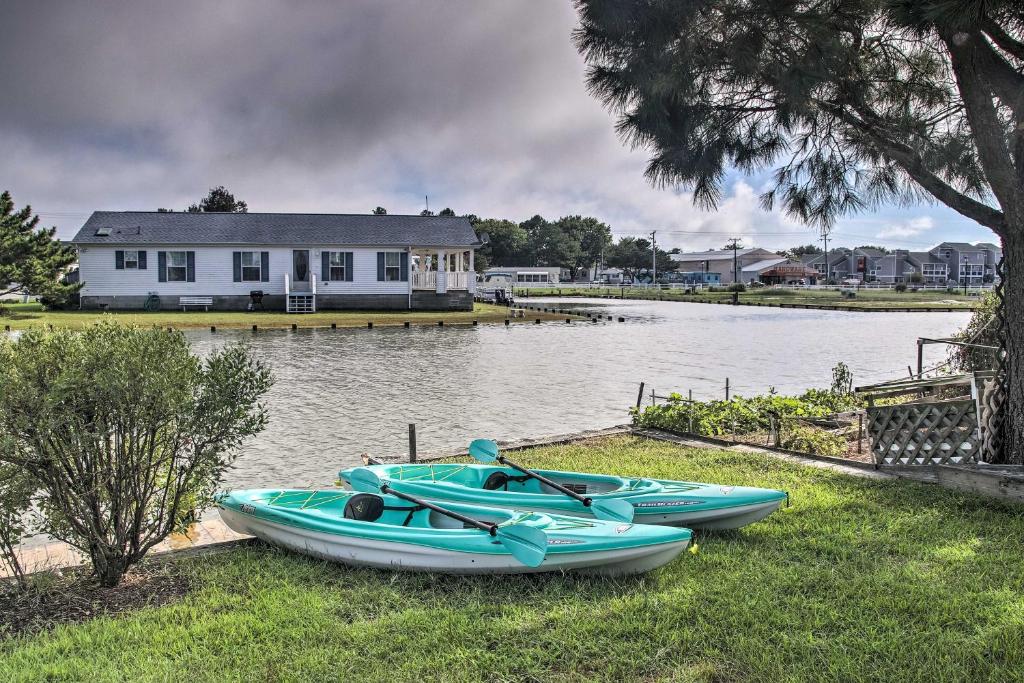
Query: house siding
x: 214, y: 276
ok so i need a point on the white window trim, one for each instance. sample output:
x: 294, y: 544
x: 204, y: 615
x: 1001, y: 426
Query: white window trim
x: 171, y: 266
x: 133, y: 261
x: 258, y: 257
x: 396, y: 267
x: 332, y: 266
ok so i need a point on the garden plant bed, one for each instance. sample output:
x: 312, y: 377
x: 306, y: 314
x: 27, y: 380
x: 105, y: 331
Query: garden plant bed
x: 861, y: 578
x: 71, y: 596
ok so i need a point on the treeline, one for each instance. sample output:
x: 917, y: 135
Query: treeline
x: 576, y: 243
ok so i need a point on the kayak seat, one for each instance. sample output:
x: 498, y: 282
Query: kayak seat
x: 498, y: 481
x: 368, y: 507
x: 364, y: 507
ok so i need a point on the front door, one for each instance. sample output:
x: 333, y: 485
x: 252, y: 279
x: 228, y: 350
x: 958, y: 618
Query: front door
x: 300, y: 268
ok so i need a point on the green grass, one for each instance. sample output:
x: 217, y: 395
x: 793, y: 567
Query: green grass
x: 858, y: 580
x: 24, y: 316
x: 880, y: 299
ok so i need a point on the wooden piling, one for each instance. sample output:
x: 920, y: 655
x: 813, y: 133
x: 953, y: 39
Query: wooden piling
x: 406, y: 324
x: 334, y: 326
x: 369, y: 325
x: 726, y: 388
x: 640, y: 395
x: 213, y: 328
x: 294, y: 327
x: 253, y: 328
x: 412, y: 442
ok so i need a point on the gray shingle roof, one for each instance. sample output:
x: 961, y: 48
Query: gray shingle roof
x: 154, y: 227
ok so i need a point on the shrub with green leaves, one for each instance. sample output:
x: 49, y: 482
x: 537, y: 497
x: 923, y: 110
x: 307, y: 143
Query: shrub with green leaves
x: 982, y: 329
x: 16, y: 491
x: 741, y: 415
x: 810, y: 439
x: 124, y: 432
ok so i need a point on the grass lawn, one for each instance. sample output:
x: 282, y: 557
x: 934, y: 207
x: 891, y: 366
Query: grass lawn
x: 880, y: 299
x: 23, y: 316
x: 858, y: 580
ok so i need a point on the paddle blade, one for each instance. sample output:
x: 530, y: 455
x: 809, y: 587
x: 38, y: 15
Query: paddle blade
x: 484, y: 450
x: 527, y: 544
x: 365, y: 480
x: 613, y: 509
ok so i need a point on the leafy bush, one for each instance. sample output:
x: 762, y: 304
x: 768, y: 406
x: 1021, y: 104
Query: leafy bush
x: 808, y: 439
x: 900, y: 287
x: 737, y: 287
x: 124, y: 432
x: 16, y: 490
x: 981, y: 329
x: 740, y: 415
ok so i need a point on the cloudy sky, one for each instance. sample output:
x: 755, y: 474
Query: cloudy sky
x: 344, y: 106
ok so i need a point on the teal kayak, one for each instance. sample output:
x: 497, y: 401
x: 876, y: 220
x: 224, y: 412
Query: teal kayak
x: 387, y: 532
x: 655, y: 501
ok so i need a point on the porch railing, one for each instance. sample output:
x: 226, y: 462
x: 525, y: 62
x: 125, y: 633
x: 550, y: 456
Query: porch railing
x: 457, y: 280
x: 424, y: 280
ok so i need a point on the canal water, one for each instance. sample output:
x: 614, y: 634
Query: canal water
x: 340, y: 393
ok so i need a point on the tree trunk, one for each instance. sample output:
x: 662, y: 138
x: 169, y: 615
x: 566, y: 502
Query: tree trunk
x: 108, y: 567
x: 1013, y: 314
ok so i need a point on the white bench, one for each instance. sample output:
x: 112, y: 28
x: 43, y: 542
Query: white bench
x: 204, y: 301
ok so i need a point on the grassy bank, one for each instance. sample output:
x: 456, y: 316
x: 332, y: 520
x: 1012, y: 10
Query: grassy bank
x: 859, y: 579
x: 23, y: 316
x: 870, y: 299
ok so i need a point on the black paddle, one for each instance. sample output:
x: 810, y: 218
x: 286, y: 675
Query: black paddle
x: 612, y: 509
x: 527, y: 544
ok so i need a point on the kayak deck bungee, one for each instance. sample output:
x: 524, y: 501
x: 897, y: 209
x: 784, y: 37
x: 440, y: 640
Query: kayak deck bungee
x: 384, y: 531
x: 655, y: 501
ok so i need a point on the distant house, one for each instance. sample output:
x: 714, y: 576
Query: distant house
x: 721, y: 262
x: 298, y: 262
x: 523, y: 274
x: 971, y: 264
x: 949, y: 262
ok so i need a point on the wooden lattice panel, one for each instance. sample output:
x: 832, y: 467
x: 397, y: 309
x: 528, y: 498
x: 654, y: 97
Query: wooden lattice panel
x: 943, y: 432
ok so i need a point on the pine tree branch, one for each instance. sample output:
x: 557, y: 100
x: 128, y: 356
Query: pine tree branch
x: 911, y: 162
x: 1004, y: 40
x: 968, y: 63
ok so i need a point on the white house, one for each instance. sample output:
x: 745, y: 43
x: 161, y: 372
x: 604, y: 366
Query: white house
x: 295, y: 262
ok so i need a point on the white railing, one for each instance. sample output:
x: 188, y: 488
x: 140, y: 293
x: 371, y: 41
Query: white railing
x: 424, y: 280
x: 457, y: 279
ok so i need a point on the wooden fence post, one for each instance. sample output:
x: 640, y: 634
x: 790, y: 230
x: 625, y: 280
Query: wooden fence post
x: 640, y: 395
x: 726, y: 388
x: 860, y: 432
x: 412, y: 442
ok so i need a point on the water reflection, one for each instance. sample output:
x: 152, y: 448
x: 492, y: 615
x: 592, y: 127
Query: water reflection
x: 344, y: 392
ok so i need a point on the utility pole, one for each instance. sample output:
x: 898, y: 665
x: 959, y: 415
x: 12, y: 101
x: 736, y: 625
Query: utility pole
x: 734, y: 244
x: 654, y: 259
x: 824, y: 236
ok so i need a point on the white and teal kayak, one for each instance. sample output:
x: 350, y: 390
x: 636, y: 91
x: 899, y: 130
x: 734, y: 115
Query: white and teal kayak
x: 390, y: 532
x: 654, y: 501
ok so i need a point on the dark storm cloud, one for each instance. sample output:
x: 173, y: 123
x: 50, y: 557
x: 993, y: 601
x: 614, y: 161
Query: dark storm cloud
x: 320, y: 106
